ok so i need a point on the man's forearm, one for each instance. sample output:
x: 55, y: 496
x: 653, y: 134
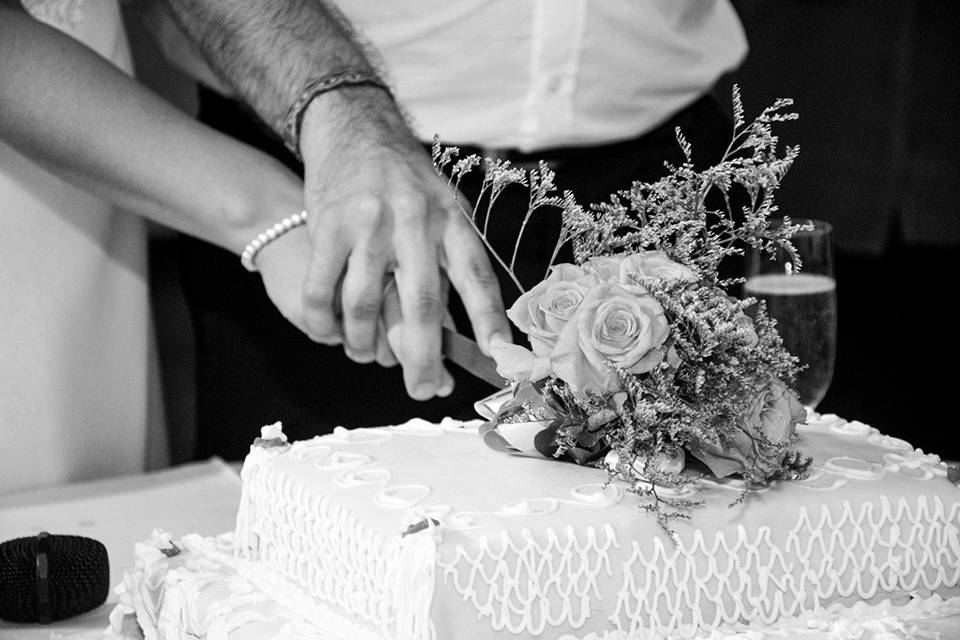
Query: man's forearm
x: 269, y: 49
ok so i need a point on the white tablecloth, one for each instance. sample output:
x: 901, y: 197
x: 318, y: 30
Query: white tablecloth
x: 195, y: 498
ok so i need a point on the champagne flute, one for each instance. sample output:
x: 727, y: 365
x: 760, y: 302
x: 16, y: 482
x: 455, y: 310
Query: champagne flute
x: 803, y: 301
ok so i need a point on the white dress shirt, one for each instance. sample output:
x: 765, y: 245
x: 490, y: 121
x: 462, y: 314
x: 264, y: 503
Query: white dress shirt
x: 535, y: 74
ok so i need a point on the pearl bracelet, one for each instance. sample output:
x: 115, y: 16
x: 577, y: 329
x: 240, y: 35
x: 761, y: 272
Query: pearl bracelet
x: 263, y: 239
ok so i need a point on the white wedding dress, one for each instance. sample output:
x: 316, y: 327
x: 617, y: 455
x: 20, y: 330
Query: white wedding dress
x: 74, y: 312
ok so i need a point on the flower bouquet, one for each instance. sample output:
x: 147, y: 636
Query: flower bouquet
x: 639, y: 360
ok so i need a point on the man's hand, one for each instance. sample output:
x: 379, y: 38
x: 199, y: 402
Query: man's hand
x: 283, y: 266
x: 377, y: 209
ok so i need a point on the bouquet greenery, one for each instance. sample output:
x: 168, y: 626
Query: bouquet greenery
x: 639, y: 360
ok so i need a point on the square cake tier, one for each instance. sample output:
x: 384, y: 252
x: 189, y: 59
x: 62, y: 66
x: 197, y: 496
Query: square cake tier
x: 421, y: 531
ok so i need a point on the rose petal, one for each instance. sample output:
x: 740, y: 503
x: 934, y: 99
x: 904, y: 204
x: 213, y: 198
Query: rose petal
x: 518, y: 364
x: 653, y: 264
x: 521, y: 435
x: 565, y: 272
x: 720, y: 465
x: 606, y: 267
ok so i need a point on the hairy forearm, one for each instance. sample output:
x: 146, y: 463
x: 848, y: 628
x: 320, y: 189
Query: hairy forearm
x: 68, y: 109
x: 269, y: 49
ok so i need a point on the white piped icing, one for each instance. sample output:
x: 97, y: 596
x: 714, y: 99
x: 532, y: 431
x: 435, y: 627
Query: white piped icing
x: 856, y: 468
x: 418, y: 561
x: 599, y: 494
x: 420, y: 427
x: 853, y: 428
x: 533, y: 507
x: 820, y: 480
x: 404, y: 495
x: 341, y: 460
x: 889, y: 442
x: 470, y: 426
x: 735, y: 485
x: 363, y: 477
x: 511, y: 583
x: 815, y: 419
x: 463, y: 521
x: 204, y: 593
x: 342, y: 435
x: 917, y: 464
x: 501, y: 546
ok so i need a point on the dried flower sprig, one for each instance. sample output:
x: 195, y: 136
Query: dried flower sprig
x: 675, y: 214
x: 498, y: 175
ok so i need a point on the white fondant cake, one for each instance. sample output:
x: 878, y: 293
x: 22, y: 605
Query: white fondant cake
x: 420, y: 531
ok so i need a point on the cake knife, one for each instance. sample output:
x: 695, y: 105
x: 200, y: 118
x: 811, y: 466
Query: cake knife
x: 465, y: 353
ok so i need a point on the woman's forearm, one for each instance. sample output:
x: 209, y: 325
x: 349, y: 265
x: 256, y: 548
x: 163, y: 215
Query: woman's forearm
x: 68, y: 109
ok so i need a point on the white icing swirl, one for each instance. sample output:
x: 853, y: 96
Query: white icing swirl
x: 889, y: 442
x: 402, y: 495
x: 820, y: 480
x: 597, y: 494
x: 457, y: 426
x: 419, y: 427
x: 853, y: 428
x: 363, y: 477
x: 729, y: 484
x: 916, y: 464
x: 531, y: 507
x: 342, y: 459
x: 341, y: 435
x: 464, y: 521
x: 855, y: 468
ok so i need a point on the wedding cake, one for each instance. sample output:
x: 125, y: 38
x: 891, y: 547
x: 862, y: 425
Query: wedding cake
x: 420, y: 531
x: 649, y: 474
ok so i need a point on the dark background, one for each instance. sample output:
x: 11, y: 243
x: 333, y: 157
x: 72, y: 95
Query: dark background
x: 877, y: 87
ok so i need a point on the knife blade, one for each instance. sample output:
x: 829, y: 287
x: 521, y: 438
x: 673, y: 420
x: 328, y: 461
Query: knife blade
x: 466, y: 354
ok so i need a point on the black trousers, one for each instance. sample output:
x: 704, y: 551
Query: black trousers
x: 254, y: 368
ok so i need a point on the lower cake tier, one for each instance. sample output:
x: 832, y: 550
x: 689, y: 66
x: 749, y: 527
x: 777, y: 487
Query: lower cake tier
x: 421, y: 531
x: 193, y: 587
x: 203, y: 592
